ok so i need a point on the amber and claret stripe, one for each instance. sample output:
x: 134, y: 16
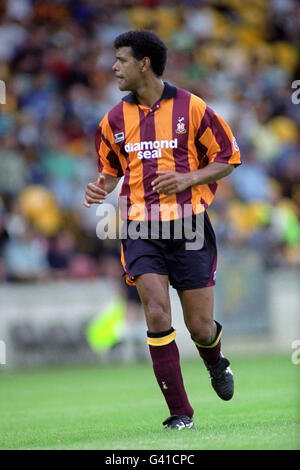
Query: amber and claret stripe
x: 179, y: 133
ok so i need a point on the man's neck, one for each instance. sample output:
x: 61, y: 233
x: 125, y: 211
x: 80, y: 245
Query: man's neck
x: 150, y: 92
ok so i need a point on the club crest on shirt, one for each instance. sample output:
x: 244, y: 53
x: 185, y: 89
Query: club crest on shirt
x: 180, y: 129
x: 119, y: 137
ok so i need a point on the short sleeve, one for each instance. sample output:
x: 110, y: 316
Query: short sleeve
x: 108, y: 160
x: 217, y: 140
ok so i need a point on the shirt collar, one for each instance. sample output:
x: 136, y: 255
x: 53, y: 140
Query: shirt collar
x: 170, y: 91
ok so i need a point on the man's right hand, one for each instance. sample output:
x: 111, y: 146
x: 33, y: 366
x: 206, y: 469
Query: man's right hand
x: 95, y: 192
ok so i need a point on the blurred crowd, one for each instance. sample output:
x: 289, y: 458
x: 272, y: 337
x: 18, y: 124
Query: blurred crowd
x: 242, y: 58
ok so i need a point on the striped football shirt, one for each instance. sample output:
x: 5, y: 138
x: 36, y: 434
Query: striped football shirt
x: 178, y: 133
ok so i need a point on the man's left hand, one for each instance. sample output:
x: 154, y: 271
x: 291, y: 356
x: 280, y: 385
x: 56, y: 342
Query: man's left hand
x: 171, y: 182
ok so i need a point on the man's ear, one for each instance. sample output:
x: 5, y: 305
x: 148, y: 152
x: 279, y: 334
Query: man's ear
x: 145, y: 64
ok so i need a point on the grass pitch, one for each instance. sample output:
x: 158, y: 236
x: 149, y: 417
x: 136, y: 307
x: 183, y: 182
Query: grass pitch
x: 121, y: 407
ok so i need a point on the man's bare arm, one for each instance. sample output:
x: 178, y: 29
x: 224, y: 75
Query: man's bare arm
x: 211, y: 173
x: 97, y: 191
x: 171, y: 182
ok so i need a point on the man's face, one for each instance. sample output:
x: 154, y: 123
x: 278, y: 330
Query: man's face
x: 127, y: 69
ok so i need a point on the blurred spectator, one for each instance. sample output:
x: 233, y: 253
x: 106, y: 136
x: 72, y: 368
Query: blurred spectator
x: 12, y: 166
x: 251, y: 182
x: 55, y: 60
x: 25, y: 255
x: 61, y: 250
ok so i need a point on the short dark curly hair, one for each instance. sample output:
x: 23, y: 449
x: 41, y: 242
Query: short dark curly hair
x: 145, y: 44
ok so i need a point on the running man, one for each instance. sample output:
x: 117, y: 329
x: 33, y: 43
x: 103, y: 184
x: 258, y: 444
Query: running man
x: 171, y: 148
